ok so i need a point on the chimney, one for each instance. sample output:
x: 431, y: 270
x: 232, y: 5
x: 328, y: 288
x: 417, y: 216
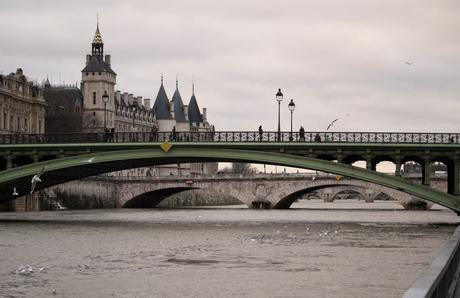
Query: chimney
x: 205, y: 114
x: 171, y: 108
x: 147, y: 103
x: 117, y: 96
x: 139, y: 101
x: 19, y: 71
x: 88, y: 58
x: 130, y: 99
x: 107, y: 59
x: 125, y: 98
x: 186, y: 112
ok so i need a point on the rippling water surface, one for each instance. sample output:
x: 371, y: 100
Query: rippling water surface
x: 340, y: 249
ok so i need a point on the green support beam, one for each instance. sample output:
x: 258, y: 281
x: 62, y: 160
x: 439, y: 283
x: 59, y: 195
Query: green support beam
x: 122, y: 159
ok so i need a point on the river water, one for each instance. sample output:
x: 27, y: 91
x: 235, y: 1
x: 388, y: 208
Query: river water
x: 316, y: 249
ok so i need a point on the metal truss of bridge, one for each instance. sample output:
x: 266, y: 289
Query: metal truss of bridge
x: 68, y: 157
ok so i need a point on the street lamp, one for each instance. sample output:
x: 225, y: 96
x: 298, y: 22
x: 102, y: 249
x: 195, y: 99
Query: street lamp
x: 279, y: 98
x: 105, y: 100
x: 291, y: 107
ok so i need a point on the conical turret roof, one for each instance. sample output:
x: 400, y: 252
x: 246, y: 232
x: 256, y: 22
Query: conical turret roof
x: 161, y: 105
x: 194, y: 115
x: 178, y: 105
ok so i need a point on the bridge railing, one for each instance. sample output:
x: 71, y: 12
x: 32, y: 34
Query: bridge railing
x: 233, y: 136
x: 441, y: 279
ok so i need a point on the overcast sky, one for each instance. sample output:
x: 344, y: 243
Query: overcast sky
x: 336, y: 59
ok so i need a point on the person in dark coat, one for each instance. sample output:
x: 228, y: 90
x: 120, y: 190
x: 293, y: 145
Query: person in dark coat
x: 260, y: 133
x: 301, y: 134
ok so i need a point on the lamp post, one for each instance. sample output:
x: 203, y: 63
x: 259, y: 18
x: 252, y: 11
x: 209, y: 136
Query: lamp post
x: 105, y: 100
x: 291, y: 107
x: 279, y: 98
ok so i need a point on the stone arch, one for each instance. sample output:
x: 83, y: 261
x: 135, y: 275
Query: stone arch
x: 337, y: 186
x: 354, y: 190
x: 151, y: 198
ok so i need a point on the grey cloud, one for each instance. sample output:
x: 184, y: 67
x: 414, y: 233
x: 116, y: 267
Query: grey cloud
x: 332, y: 57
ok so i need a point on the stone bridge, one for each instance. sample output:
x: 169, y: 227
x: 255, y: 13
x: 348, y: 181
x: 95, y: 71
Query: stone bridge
x: 259, y: 191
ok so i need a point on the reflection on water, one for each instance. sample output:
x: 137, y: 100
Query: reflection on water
x: 316, y: 250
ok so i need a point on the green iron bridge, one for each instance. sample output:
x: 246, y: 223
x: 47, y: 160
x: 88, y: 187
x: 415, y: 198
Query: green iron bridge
x: 67, y: 157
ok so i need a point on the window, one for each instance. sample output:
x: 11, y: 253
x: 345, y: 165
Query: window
x: 39, y: 126
x: 94, y: 114
x: 94, y: 98
x: 5, y: 121
x: 18, y: 124
x: 26, y: 126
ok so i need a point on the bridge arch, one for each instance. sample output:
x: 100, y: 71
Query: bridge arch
x: 338, y: 186
x: 151, y: 198
x: 71, y: 168
x: 357, y: 191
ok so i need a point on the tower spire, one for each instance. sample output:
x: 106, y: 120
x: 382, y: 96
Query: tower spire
x: 193, y: 84
x: 97, y: 36
x: 177, y: 81
x: 98, y: 44
x: 162, y: 79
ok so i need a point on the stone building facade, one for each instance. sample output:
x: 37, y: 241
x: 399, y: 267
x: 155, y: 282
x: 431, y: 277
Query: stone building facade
x: 125, y: 112
x: 22, y: 106
x: 122, y: 111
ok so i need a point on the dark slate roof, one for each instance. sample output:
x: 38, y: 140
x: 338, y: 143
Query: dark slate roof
x: 61, y: 114
x: 63, y: 98
x: 161, y: 105
x: 96, y: 64
x: 178, y: 106
x: 194, y: 115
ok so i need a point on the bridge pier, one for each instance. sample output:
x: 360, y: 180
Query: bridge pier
x: 453, y: 173
x: 9, y: 161
x: 261, y: 204
x: 369, y: 198
x: 426, y: 178
x: 398, y: 167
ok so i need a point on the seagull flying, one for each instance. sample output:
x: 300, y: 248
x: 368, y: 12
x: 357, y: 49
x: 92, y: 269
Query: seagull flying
x: 35, y: 179
x: 330, y: 124
x: 409, y: 63
x: 15, y: 193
